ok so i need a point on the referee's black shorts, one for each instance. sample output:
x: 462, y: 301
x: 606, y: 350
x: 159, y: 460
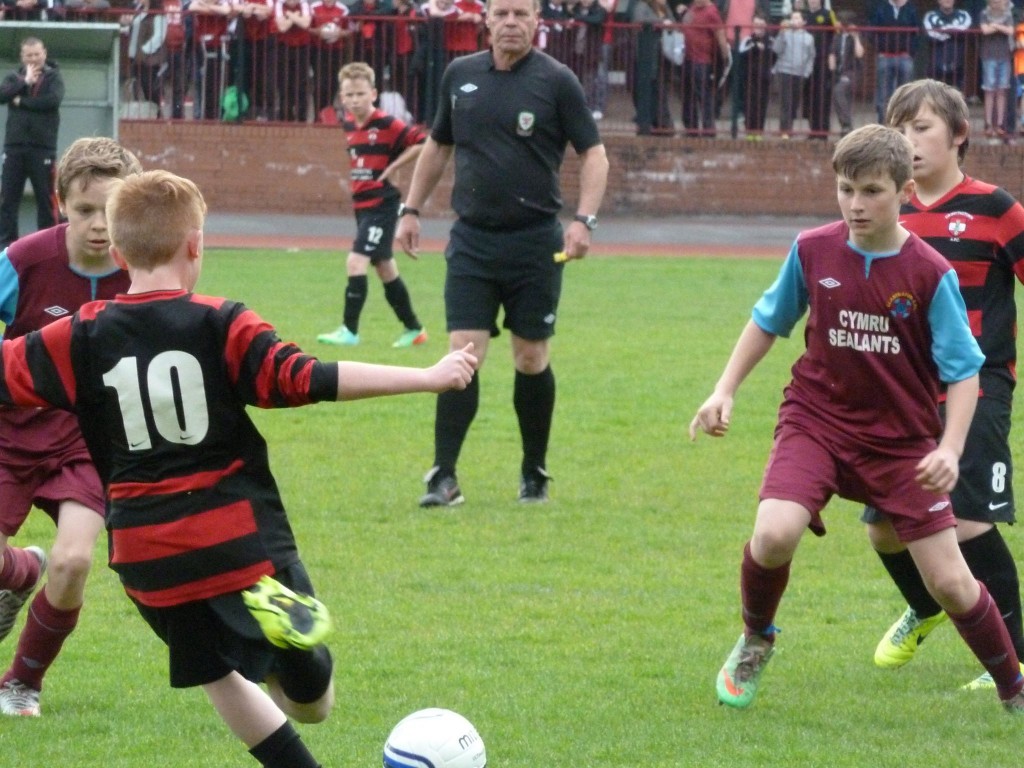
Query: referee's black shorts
x: 514, y: 270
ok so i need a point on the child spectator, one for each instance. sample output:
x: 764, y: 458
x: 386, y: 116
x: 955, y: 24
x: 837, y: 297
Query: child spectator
x: 794, y: 48
x: 755, y: 72
x: 330, y: 33
x: 997, y: 44
x: 946, y: 28
x: 844, y: 61
x: 254, y: 48
x: 588, y: 39
x: 293, y: 20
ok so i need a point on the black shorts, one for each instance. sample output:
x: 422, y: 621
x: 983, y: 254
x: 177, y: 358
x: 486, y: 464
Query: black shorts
x: 984, y: 492
x: 375, y: 231
x: 208, y: 639
x: 515, y: 270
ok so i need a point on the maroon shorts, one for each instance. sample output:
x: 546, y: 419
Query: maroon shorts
x: 810, y: 468
x: 45, y: 483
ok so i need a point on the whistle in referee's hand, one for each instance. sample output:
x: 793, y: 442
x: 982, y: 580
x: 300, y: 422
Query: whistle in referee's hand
x: 561, y: 256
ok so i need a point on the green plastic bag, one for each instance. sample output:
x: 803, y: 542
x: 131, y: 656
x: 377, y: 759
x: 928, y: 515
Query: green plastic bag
x: 233, y: 104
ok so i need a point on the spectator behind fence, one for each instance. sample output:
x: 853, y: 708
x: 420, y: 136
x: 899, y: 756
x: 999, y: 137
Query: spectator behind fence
x: 702, y: 29
x: 1017, y: 90
x: 607, y: 42
x: 844, y: 61
x: 177, y: 61
x: 555, y: 33
x: 755, y: 73
x: 330, y: 31
x: 588, y: 37
x: 252, y: 58
x: 462, y: 32
x: 33, y: 94
x: 210, y: 20
x: 794, y: 48
x: 997, y: 42
x: 403, y: 64
x: 372, y: 39
x: 894, y: 32
x: 292, y: 19
x: 649, y: 97
x: 147, y: 50
x: 946, y: 27
x: 24, y: 10
x: 817, y: 104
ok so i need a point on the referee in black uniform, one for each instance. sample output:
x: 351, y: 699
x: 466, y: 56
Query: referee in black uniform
x: 507, y: 114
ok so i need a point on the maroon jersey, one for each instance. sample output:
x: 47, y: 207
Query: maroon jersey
x: 159, y: 382
x: 882, y: 330
x: 979, y: 228
x: 372, y: 147
x: 37, y: 286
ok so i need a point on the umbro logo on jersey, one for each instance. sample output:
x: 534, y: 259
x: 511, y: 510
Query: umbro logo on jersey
x: 829, y: 282
x: 468, y: 88
x: 57, y: 311
x: 938, y: 507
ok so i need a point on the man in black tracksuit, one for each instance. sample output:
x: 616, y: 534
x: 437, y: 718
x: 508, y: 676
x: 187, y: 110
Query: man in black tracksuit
x: 33, y: 95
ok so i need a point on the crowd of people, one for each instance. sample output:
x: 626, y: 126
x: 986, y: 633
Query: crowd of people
x: 797, y: 61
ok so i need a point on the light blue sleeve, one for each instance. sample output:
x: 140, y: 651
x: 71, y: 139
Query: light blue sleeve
x: 780, y: 307
x: 8, y: 289
x: 954, y: 348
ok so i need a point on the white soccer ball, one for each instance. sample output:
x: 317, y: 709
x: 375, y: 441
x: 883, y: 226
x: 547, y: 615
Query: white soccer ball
x: 434, y: 738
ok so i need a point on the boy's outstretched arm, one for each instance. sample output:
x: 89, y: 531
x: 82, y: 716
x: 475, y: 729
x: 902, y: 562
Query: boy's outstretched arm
x: 713, y: 416
x: 361, y: 380
x: 940, y: 469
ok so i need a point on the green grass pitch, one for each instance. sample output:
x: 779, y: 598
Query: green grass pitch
x: 586, y: 632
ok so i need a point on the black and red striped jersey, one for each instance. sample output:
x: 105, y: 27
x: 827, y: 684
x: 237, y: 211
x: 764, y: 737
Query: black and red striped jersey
x: 160, y: 383
x: 372, y: 147
x: 979, y: 228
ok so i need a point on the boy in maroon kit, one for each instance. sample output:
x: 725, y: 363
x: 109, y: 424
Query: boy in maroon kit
x: 43, y: 459
x: 378, y: 145
x: 886, y: 325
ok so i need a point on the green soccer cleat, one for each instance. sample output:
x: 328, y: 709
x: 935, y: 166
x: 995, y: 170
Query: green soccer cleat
x: 1015, y: 705
x: 984, y: 682
x: 288, y: 619
x: 739, y: 676
x: 411, y: 337
x: 342, y: 337
x: 901, y: 642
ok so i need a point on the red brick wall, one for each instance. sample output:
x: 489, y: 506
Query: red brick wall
x: 303, y: 169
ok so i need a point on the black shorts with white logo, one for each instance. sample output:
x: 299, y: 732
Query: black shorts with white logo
x: 514, y: 270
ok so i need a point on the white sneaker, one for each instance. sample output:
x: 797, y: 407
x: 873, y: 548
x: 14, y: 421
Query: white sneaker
x: 11, y: 601
x: 18, y: 700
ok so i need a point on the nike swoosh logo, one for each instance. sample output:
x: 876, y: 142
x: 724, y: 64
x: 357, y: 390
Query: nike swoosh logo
x: 994, y: 507
x: 731, y: 687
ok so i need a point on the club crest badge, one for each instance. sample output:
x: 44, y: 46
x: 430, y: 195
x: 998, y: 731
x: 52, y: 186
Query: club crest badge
x: 956, y: 224
x: 525, y: 123
x: 902, y: 305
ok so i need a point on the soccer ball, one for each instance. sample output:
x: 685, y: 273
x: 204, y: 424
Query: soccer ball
x: 434, y: 738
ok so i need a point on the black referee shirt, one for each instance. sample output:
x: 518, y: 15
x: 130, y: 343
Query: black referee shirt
x: 510, y: 130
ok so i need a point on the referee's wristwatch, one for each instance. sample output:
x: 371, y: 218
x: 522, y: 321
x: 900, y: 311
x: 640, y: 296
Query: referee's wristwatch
x: 590, y: 222
x: 404, y: 209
